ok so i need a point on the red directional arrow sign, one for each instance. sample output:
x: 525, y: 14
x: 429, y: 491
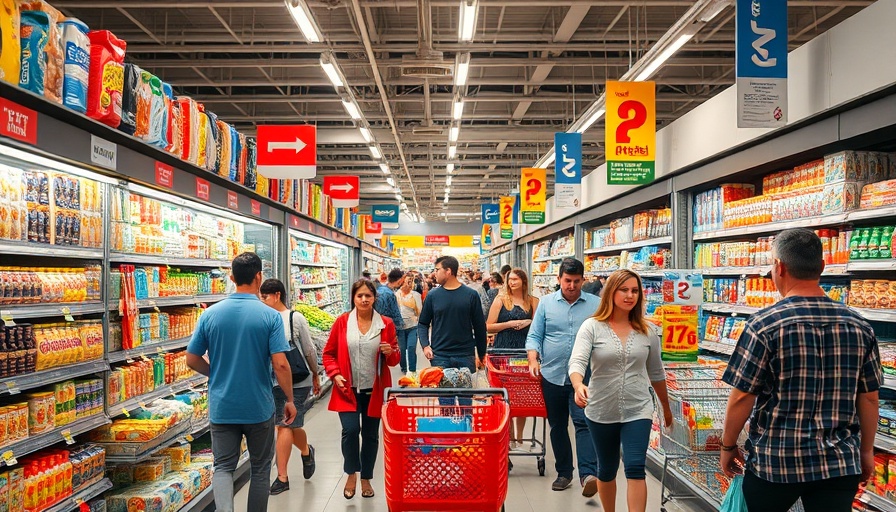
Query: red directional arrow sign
x: 287, y: 152
x: 343, y: 190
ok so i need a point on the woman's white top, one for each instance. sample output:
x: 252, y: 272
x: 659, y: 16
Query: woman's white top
x: 363, y: 349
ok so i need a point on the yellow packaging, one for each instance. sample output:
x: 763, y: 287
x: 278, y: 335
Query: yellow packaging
x: 4, y: 426
x: 180, y: 456
x: 4, y: 491
x: 17, y: 421
x: 10, y: 44
x: 149, y: 471
x: 17, y: 490
x: 41, y: 412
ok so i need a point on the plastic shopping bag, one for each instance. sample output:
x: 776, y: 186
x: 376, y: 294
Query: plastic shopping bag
x: 734, y: 499
x: 480, y: 379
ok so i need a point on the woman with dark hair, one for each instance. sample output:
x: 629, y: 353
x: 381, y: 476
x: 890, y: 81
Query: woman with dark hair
x: 298, y: 335
x: 495, y: 287
x: 361, y: 348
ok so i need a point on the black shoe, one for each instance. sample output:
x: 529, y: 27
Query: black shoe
x: 308, y: 464
x: 509, y: 464
x: 561, y: 483
x: 279, y: 486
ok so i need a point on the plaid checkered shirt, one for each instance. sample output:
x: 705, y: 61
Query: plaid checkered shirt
x: 805, y: 358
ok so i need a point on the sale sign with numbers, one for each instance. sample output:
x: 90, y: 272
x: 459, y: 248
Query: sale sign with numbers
x: 680, y: 333
x: 631, y: 132
x: 533, y: 184
x: 506, y: 204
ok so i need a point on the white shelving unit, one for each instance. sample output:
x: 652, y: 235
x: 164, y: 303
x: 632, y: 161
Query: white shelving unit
x: 666, y: 240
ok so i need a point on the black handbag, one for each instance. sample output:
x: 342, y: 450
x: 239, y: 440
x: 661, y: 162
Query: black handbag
x: 297, y: 363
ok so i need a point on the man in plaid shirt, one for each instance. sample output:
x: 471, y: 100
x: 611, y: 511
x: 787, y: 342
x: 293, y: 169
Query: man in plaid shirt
x: 811, y: 367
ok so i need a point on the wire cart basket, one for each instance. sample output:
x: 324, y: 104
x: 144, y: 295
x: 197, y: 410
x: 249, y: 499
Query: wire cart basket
x: 509, y: 369
x: 446, y: 457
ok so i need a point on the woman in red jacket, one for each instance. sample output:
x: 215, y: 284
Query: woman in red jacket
x: 361, y: 347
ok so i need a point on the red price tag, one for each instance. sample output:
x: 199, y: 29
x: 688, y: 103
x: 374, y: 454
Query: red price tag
x: 203, y: 189
x: 18, y: 122
x: 256, y: 207
x: 232, y: 200
x: 164, y: 175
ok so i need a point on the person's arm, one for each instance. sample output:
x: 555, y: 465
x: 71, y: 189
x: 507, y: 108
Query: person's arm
x: 479, y: 327
x: 418, y: 301
x: 309, y: 351
x: 740, y: 406
x: 197, y: 348
x: 535, y: 340
x: 283, y: 373
x: 492, y: 323
x: 657, y: 375
x: 198, y: 364
x: 423, y: 325
x: 390, y: 337
x: 868, y: 409
x: 395, y: 312
x: 579, y: 359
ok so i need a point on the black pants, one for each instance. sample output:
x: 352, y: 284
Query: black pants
x: 830, y: 495
x: 360, y: 438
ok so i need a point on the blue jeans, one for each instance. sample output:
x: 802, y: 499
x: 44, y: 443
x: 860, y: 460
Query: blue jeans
x: 561, y: 405
x: 360, y: 438
x: 634, y: 436
x: 407, y: 344
x: 454, y: 362
x: 226, y: 440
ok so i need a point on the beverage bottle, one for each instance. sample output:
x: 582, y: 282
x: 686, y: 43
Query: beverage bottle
x: 886, y: 242
x: 854, y: 244
x: 874, y: 244
x: 863, y: 244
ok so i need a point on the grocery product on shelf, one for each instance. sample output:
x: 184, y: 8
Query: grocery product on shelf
x: 642, y: 226
x: 160, y: 483
x: 316, y: 318
x: 650, y: 258
x: 50, y: 476
x: 318, y: 273
x: 871, y: 243
x: 27, y: 285
x: 172, y: 324
x: 872, y: 293
x: 63, y: 344
x: 18, y: 352
x: 564, y: 246
x: 49, y: 408
x: 143, y: 376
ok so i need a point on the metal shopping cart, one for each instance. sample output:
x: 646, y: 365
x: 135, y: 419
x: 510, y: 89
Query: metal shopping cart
x: 509, y: 369
x: 446, y: 457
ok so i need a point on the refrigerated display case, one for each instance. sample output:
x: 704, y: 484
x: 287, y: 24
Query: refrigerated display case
x: 546, y: 256
x: 319, y: 272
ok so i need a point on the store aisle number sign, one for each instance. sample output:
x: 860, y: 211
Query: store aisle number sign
x: 761, y: 63
x: 533, y: 188
x: 506, y: 207
x: 18, y: 122
x: 567, y: 169
x: 287, y: 152
x: 491, y: 215
x: 631, y: 132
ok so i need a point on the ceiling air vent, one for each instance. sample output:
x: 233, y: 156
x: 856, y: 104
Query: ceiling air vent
x: 431, y: 66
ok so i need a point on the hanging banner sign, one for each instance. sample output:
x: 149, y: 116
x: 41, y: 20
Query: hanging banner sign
x: 761, y: 63
x: 386, y: 214
x: 287, y: 152
x: 370, y: 227
x: 631, y: 132
x: 506, y: 206
x: 437, y: 240
x: 533, y: 187
x: 567, y: 169
x: 491, y: 216
x: 680, y: 333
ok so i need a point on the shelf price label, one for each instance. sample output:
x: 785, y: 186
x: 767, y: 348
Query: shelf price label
x: 125, y: 412
x: 9, y: 458
x: 6, y: 316
x: 12, y: 389
x: 680, y: 333
x: 142, y: 405
x: 189, y: 438
x: 67, y: 435
x: 67, y: 312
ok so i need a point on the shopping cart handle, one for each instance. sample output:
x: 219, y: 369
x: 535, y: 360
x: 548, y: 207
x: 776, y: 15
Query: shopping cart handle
x: 452, y: 392
x: 507, y: 352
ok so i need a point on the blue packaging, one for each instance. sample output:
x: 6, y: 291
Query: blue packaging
x: 76, y: 64
x: 35, y: 26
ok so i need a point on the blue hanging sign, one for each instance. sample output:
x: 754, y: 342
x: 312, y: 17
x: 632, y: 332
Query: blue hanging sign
x: 761, y: 63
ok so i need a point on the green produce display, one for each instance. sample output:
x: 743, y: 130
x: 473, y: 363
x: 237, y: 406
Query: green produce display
x: 316, y: 317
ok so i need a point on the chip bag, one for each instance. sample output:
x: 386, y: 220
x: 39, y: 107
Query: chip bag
x: 251, y: 163
x: 55, y: 59
x: 173, y: 124
x: 189, y: 129
x: 106, y: 77
x: 158, y: 111
x: 35, y: 33
x: 128, y: 122
x: 10, y: 42
x: 224, y: 149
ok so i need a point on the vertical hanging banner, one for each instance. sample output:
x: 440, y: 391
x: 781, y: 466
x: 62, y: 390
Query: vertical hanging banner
x: 631, y: 132
x: 386, y: 214
x: 533, y: 187
x: 761, y: 62
x: 506, y: 206
x: 567, y: 169
x: 491, y: 215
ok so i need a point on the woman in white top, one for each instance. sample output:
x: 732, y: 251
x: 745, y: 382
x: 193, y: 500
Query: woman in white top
x: 273, y: 293
x: 624, y: 354
x: 410, y: 304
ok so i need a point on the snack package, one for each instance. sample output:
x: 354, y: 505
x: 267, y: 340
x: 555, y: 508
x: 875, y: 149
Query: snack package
x: 213, y: 134
x: 251, y: 165
x: 76, y: 65
x: 243, y: 160
x: 189, y: 129
x: 54, y: 52
x: 224, y: 149
x: 10, y: 42
x: 844, y: 166
x: 129, y: 99
x: 173, y: 123
x: 144, y: 106
x: 841, y: 197
x: 35, y: 32
x: 235, y: 150
x: 202, y: 138
x: 106, y: 77
x: 158, y: 111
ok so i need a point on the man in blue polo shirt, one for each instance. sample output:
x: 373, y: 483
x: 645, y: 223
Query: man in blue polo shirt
x: 551, y: 337
x: 243, y: 338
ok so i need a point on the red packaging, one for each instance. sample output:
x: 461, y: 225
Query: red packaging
x: 106, y: 77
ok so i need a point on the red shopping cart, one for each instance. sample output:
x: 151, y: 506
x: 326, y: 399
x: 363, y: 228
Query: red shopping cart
x: 509, y: 369
x: 445, y: 457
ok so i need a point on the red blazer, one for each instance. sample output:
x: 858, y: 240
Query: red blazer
x: 337, y: 362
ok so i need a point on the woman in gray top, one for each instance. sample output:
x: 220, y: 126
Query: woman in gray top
x: 624, y: 355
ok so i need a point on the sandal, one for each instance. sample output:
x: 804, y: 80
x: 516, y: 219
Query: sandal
x: 366, y: 493
x: 349, y: 493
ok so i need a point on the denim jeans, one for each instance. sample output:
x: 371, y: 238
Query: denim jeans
x: 633, y: 436
x: 455, y: 362
x: 828, y: 495
x: 360, y: 438
x: 407, y: 344
x: 561, y: 406
x: 226, y: 440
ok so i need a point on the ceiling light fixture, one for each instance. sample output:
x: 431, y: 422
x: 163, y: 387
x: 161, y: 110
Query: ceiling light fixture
x: 591, y: 120
x: 398, y: 197
x: 467, y: 20
x: 452, y: 151
x: 390, y: 181
x: 446, y: 199
x: 352, y: 109
x: 447, y: 190
x: 454, y: 133
x: 663, y: 57
x: 385, y: 169
x: 326, y: 62
x: 713, y: 10
x: 462, y: 69
x: 365, y: 132
x: 448, y: 182
x: 375, y: 151
x: 302, y: 16
x: 449, y: 168
x: 458, y: 110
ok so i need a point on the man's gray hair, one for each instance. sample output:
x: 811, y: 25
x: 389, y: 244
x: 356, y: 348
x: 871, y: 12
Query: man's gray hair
x: 800, y: 251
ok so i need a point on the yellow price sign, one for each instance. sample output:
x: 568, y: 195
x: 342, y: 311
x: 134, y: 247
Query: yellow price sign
x: 67, y: 435
x: 680, y: 341
x: 125, y: 412
x: 9, y: 458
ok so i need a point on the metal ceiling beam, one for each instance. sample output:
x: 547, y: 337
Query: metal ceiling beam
x: 542, y: 97
x: 505, y: 81
x: 255, y: 4
x: 298, y: 46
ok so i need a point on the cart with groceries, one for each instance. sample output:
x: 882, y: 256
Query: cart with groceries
x: 509, y: 369
x: 445, y: 449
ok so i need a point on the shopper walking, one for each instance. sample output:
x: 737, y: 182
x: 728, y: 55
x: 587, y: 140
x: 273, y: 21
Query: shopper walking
x: 243, y: 339
x: 386, y: 304
x: 298, y: 335
x: 623, y: 355
x: 549, y: 344
x: 454, y: 312
x: 509, y: 318
x: 411, y: 304
x: 496, y: 286
x: 467, y: 278
x: 806, y: 372
x: 361, y: 347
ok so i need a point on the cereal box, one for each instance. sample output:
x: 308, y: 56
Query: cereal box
x: 841, y: 197
x: 843, y: 166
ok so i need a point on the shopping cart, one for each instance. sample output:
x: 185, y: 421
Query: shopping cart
x: 445, y: 457
x: 509, y: 369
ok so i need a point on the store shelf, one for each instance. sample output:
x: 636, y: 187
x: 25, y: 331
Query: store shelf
x: 336, y: 283
x: 47, y: 439
x: 313, y: 264
x: 730, y: 308
x: 14, y: 385
x: 872, y: 213
x: 642, y: 273
x: 150, y: 259
x: 311, y: 286
x: 161, y: 392
x: 879, y: 315
x: 810, y: 222
x: 683, y: 480
x: 182, y: 300
x: 829, y: 270
x: 46, y: 250
x: 134, y: 353
x: 878, y: 502
x: 718, y: 348
x: 207, y: 497
x: 73, y: 503
x: 202, y: 429
x: 885, y: 442
x: 666, y: 240
x: 872, y: 265
x: 175, y: 434
x: 554, y: 258
x: 52, y: 310
x: 322, y: 304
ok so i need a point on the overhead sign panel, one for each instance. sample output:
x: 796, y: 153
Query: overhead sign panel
x: 631, y: 133
x: 344, y: 191
x: 761, y: 63
x: 568, y: 169
x: 287, y: 152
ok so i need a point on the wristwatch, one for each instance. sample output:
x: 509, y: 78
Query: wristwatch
x: 726, y: 448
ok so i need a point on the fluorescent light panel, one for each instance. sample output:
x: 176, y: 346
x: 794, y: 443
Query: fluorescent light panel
x: 462, y: 70
x: 452, y: 151
x: 467, y: 25
x: 332, y: 73
x: 375, y: 151
x: 390, y: 181
x: 454, y: 133
x: 365, y: 132
x: 448, y: 182
x: 663, y: 57
x: 385, y: 169
x: 302, y: 16
x: 449, y: 168
x: 352, y: 109
x: 458, y: 110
